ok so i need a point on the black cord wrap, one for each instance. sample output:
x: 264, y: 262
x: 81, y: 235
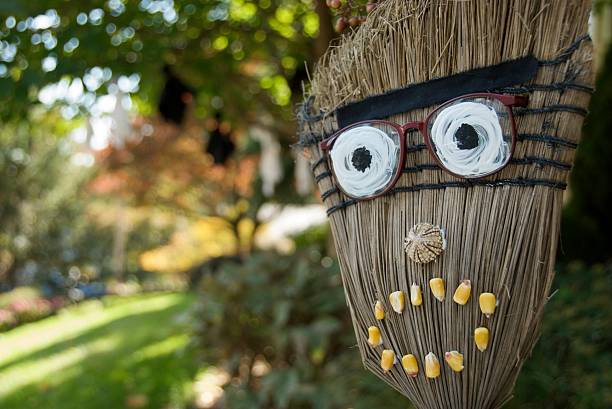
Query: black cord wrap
x: 315, y: 165
x: 322, y: 176
x: 552, y: 140
x: 575, y: 109
x: 304, y: 113
x: 558, y: 86
x: 495, y: 183
x: 567, y: 53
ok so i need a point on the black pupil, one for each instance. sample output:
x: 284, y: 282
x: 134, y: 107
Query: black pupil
x: 466, y: 137
x: 362, y: 158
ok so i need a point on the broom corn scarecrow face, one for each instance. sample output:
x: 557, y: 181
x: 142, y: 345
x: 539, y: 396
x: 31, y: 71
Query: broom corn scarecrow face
x: 441, y: 135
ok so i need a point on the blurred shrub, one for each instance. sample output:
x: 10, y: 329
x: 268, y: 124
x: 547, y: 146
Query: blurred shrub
x: 158, y: 283
x: 21, y: 310
x: 18, y: 294
x: 23, y: 304
x: 165, y: 283
x: 7, y: 320
x: 31, y: 310
x: 570, y: 365
x: 316, y: 237
x: 279, y: 324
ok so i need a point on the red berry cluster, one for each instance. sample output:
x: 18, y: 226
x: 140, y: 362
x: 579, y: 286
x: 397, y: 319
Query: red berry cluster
x: 351, y: 13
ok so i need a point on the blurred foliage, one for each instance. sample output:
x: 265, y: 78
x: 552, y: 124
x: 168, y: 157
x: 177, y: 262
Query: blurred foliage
x: 21, y: 305
x: 238, y: 54
x: 49, y: 222
x: 25, y: 304
x: 40, y: 192
x: 587, y: 220
x: 241, y: 62
x: 22, y: 311
x: 280, y: 326
x: 20, y: 293
x: 204, y: 239
x: 570, y: 365
x: 175, y: 174
x: 316, y: 237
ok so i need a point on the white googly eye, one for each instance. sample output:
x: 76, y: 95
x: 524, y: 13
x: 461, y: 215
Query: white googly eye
x: 472, y: 137
x: 365, y: 159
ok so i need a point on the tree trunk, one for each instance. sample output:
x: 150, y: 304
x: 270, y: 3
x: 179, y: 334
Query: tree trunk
x: 326, y: 30
x: 602, y: 32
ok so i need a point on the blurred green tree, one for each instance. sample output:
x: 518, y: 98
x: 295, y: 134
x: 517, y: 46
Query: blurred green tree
x: 586, y: 219
x: 49, y: 222
x: 569, y: 365
x: 39, y: 196
x: 242, y: 56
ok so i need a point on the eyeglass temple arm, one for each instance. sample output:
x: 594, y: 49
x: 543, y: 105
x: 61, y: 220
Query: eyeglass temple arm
x: 514, y: 100
x: 326, y: 144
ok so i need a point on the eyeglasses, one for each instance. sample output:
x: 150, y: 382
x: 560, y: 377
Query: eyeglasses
x: 470, y: 137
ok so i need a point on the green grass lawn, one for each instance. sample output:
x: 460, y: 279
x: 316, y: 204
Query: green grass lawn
x: 117, y: 353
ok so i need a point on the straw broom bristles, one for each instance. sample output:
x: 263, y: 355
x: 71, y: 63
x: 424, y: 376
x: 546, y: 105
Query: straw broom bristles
x: 503, y: 239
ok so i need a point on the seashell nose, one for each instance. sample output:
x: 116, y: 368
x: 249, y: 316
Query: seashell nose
x: 425, y: 242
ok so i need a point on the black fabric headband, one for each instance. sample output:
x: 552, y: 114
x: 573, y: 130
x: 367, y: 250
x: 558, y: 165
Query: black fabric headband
x: 439, y: 90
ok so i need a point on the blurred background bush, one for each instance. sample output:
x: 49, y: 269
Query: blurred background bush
x: 160, y: 242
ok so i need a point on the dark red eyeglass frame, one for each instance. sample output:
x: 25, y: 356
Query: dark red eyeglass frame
x: 509, y: 101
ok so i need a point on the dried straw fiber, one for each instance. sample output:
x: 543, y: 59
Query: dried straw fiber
x: 502, y: 237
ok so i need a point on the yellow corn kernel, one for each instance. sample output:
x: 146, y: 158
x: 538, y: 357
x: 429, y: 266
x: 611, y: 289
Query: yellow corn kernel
x: 454, y: 359
x: 387, y: 360
x: 462, y: 293
x: 410, y: 365
x: 374, y: 337
x: 487, y: 303
x: 379, y: 312
x: 416, y: 297
x: 432, y: 366
x: 437, y: 288
x: 481, y: 338
x: 397, y: 301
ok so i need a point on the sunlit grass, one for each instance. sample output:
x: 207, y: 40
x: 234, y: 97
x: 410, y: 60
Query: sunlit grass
x: 101, y: 355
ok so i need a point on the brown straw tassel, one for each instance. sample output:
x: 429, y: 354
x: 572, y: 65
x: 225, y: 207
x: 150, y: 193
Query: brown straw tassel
x: 500, y: 236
